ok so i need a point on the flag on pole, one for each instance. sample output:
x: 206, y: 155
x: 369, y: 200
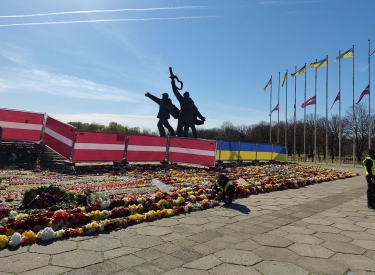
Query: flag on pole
x: 295, y: 109
x: 365, y: 92
x: 308, y: 102
x: 320, y: 63
x: 268, y: 83
x: 274, y: 109
x: 347, y: 54
x: 300, y: 71
x: 284, y: 78
x: 336, y: 99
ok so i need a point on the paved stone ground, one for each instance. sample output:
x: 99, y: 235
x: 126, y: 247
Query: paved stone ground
x: 320, y: 229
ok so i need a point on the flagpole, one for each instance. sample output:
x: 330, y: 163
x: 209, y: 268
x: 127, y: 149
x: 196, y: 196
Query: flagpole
x: 295, y: 109
x: 326, y: 112
x: 369, y: 110
x: 286, y: 110
x: 304, y: 122
x: 316, y: 80
x: 353, y: 116
x: 278, y: 112
x: 340, y: 109
x: 270, y: 112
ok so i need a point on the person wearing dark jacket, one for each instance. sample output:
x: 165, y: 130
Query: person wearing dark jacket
x: 225, y: 188
x: 369, y: 164
x: 165, y: 108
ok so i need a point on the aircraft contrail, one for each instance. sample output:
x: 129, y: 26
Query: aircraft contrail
x: 98, y: 11
x: 108, y: 20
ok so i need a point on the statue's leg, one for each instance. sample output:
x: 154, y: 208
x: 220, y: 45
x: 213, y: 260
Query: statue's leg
x: 186, y: 130
x: 180, y: 124
x: 170, y: 129
x: 194, y: 131
x: 161, y: 128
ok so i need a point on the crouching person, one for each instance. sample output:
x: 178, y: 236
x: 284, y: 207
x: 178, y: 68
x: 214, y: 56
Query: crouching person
x: 226, y: 188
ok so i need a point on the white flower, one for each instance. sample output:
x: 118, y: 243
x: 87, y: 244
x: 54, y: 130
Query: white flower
x: 15, y: 240
x: 4, y: 220
x: 46, y: 234
x: 105, y: 204
x: 13, y: 213
x: 101, y: 227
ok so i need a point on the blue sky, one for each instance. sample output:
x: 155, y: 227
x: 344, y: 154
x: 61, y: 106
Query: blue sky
x: 93, y: 61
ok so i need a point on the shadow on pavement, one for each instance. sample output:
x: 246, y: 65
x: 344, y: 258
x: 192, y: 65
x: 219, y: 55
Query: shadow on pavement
x: 239, y: 207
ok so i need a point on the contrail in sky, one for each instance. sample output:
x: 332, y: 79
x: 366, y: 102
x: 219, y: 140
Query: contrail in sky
x: 98, y: 11
x: 108, y: 20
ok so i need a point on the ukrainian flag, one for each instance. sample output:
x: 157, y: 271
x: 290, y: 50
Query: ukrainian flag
x: 284, y: 78
x: 268, y: 83
x: 347, y: 54
x: 321, y: 63
x: 300, y: 71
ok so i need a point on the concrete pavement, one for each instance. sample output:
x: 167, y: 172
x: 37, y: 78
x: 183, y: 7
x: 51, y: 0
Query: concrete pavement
x: 320, y: 229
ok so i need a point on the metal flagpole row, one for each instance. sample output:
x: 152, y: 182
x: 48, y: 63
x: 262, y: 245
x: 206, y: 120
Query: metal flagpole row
x: 340, y: 123
x: 295, y: 109
x: 304, y: 122
x: 326, y: 112
x: 286, y: 110
x: 353, y: 116
x: 270, y: 112
x: 316, y: 80
x: 278, y: 112
x: 369, y: 102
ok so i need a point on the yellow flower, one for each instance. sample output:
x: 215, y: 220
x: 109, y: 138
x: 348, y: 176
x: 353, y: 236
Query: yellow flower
x: 21, y: 217
x: 30, y: 235
x: 95, y: 215
x: 3, y: 241
x: 60, y: 233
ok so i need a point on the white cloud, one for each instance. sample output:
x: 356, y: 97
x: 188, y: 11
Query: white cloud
x: 97, y: 11
x: 14, y: 53
x: 62, y: 85
x: 108, y: 20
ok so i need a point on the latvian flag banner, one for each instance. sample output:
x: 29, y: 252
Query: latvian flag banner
x: 308, y: 102
x: 274, y: 109
x: 365, y: 92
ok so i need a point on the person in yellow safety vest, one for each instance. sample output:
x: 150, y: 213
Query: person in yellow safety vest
x: 369, y: 164
x: 224, y: 186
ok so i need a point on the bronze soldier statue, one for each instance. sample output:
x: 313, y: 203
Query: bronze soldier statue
x: 188, y: 113
x: 165, y: 108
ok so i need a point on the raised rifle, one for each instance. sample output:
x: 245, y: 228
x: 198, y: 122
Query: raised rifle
x: 175, y: 77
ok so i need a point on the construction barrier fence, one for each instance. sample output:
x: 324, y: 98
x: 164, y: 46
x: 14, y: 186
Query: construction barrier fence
x: 84, y: 146
x: 21, y: 125
x: 59, y: 136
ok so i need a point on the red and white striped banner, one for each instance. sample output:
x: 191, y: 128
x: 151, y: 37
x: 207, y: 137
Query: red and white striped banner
x: 146, y: 148
x: 96, y: 146
x: 194, y: 151
x: 59, y: 136
x: 21, y: 125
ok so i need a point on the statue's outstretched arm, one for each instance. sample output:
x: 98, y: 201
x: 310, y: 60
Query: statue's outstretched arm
x: 153, y: 98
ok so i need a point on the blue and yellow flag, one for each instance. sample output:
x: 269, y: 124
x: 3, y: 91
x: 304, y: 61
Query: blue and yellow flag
x: 284, y: 78
x: 347, y: 54
x: 320, y: 63
x: 300, y: 71
x: 268, y: 83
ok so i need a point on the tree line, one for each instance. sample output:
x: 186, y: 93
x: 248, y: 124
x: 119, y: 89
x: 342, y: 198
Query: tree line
x: 356, y: 130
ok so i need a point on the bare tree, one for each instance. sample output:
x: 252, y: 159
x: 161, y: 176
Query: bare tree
x: 358, y: 129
